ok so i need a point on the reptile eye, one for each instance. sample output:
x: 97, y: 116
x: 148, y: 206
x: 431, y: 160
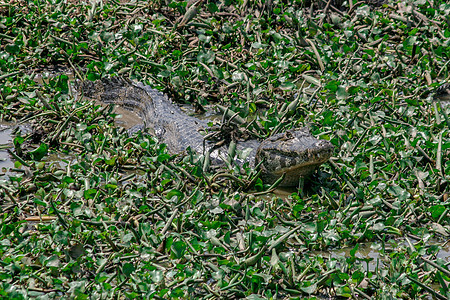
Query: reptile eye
x: 288, y: 135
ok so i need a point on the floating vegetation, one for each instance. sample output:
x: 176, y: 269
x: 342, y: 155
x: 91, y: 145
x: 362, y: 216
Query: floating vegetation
x: 119, y: 216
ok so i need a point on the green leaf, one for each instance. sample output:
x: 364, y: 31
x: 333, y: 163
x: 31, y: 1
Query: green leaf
x: 53, y: 261
x: 212, y: 7
x: 354, y: 250
x: 178, y: 249
x: 204, y: 38
x: 67, y: 179
x: 344, y: 291
x: 341, y: 92
x: 410, y: 41
x: 274, y: 260
x: 93, y: 76
x: 157, y: 276
x: 254, y: 297
x: 90, y: 193
x: 287, y: 86
x: 62, y: 237
x: 398, y: 192
x: 76, y: 251
x: 127, y: 237
x: 18, y: 140
x: 12, y: 48
x: 332, y: 85
x: 206, y: 57
x: 358, y: 276
x: 40, y: 152
x: 128, y: 269
x: 40, y: 202
x: 111, y: 161
x: 257, y: 45
x: 436, y: 211
x: 163, y: 157
x: 311, y: 289
x: 311, y: 79
x: 176, y: 193
x: 107, y: 36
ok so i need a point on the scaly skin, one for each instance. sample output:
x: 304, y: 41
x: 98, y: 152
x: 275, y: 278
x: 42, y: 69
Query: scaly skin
x: 296, y: 152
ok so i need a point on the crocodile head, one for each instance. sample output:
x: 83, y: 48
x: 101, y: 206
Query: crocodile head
x: 295, y: 153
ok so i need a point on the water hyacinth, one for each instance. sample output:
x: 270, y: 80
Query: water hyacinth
x: 88, y: 210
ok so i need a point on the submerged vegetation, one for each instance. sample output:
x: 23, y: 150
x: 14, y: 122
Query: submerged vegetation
x: 89, y: 211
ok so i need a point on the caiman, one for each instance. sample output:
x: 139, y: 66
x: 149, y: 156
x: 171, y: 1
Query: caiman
x: 295, y: 153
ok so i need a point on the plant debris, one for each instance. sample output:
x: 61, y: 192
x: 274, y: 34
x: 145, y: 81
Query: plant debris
x: 117, y: 216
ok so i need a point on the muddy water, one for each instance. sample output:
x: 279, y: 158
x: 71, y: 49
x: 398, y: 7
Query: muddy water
x: 5, y: 143
x: 7, y: 162
x: 371, y: 257
x: 371, y: 254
